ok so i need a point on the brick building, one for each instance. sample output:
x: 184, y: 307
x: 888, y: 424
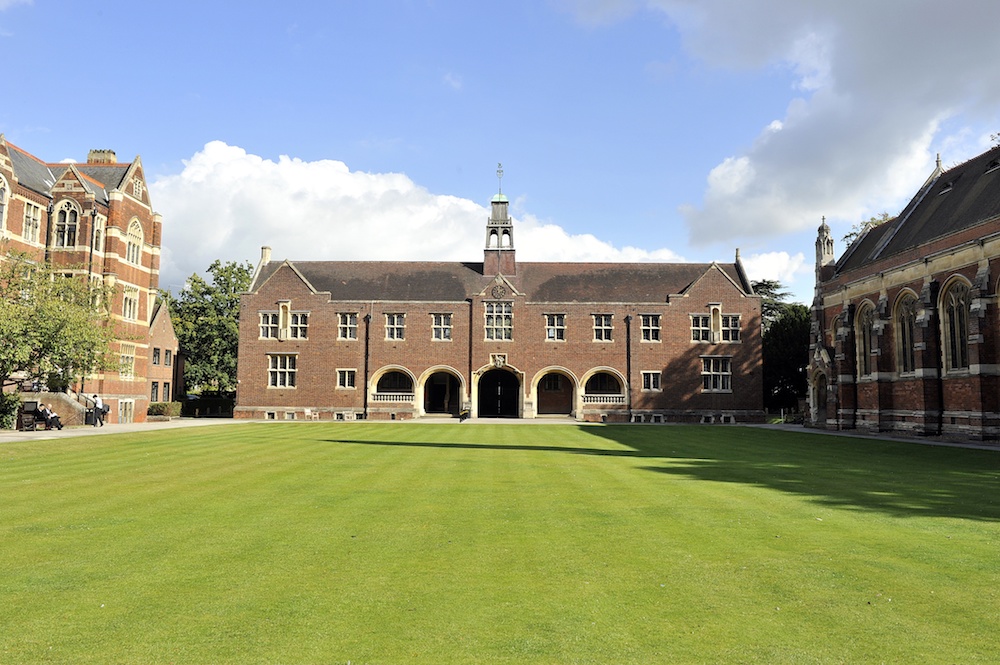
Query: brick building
x: 649, y: 342
x: 94, y: 220
x: 905, y: 322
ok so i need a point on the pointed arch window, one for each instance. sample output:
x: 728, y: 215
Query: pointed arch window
x: 906, y: 326
x: 863, y: 331
x: 67, y: 220
x: 133, y: 249
x: 955, y: 307
x: 99, y: 226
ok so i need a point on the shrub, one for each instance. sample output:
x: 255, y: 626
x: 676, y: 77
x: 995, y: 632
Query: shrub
x: 172, y: 409
x: 10, y: 403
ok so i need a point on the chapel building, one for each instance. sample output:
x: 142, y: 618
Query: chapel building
x: 905, y: 322
x: 600, y: 342
x: 94, y: 221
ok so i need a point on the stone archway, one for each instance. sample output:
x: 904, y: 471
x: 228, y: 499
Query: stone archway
x: 442, y: 394
x: 498, y: 394
x: 555, y: 394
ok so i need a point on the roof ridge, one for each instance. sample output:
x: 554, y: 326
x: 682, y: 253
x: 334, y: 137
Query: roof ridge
x: 26, y: 153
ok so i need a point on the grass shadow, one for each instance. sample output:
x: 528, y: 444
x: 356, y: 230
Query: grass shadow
x: 893, y: 478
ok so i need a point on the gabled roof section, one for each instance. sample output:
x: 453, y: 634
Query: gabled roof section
x: 267, y: 270
x: 160, y: 309
x: 111, y: 176
x: 90, y: 185
x: 734, y: 278
x: 413, y: 281
x: 958, y: 199
x: 31, y: 172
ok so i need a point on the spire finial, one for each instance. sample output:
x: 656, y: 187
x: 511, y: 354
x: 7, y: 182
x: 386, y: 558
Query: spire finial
x: 499, y: 178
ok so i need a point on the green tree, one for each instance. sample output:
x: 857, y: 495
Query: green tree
x: 206, y: 320
x: 861, y: 228
x: 773, y: 296
x: 786, y: 354
x: 53, y: 328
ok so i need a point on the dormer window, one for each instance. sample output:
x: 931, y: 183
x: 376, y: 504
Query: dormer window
x: 993, y: 166
x: 948, y: 186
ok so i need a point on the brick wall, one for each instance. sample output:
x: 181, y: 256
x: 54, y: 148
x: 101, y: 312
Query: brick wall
x: 530, y: 355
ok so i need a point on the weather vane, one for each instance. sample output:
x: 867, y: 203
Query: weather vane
x: 499, y: 178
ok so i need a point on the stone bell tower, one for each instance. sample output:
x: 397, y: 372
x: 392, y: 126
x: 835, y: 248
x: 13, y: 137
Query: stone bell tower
x: 825, y: 259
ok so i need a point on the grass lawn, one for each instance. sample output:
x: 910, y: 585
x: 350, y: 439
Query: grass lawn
x: 412, y: 543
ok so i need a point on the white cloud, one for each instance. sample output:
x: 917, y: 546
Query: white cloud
x: 780, y: 266
x: 879, y: 87
x: 538, y: 241
x: 7, y: 4
x: 453, y: 81
x: 226, y: 203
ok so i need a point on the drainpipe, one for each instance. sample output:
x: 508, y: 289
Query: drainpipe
x: 90, y: 268
x: 628, y: 363
x: 469, y: 374
x: 368, y: 326
x: 48, y: 231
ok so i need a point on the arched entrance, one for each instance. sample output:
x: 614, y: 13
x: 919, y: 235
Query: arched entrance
x: 442, y: 394
x: 498, y: 390
x: 555, y: 394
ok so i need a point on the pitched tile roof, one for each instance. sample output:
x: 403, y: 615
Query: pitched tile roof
x: 958, y: 199
x: 109, y: 175
x: 31, y: 172
x: 39, y: 177
x: 402, y: 281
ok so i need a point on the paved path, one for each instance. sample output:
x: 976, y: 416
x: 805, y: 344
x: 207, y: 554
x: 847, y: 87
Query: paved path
x: 9, y: 436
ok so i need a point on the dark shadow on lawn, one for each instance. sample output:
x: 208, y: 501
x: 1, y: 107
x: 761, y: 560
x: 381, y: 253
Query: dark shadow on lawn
x: 898, y: 479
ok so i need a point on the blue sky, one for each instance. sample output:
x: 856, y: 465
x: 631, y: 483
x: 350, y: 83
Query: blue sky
x: 627, y: 129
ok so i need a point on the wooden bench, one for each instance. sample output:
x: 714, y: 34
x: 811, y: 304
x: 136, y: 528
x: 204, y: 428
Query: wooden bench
x: 30, y: 420
x: 29, y: 423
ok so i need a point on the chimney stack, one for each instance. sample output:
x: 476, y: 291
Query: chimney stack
x: 102, y: 157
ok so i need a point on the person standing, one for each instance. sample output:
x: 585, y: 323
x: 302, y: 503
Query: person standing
x: 98, y: 411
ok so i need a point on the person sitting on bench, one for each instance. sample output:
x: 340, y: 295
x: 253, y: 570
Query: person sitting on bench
x: 50, y: 416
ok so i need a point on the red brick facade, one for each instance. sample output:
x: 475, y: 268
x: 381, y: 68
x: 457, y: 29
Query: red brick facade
x: 905, y: 324
x: 166, y: 369
x: 598, y: 342
x: 95, y: 220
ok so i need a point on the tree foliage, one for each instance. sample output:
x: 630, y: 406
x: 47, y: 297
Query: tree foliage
x: 53, y: 328
x: 773, y: 296
x: 861, y: 228
x: 206, y: 320
x: 786, y: 355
